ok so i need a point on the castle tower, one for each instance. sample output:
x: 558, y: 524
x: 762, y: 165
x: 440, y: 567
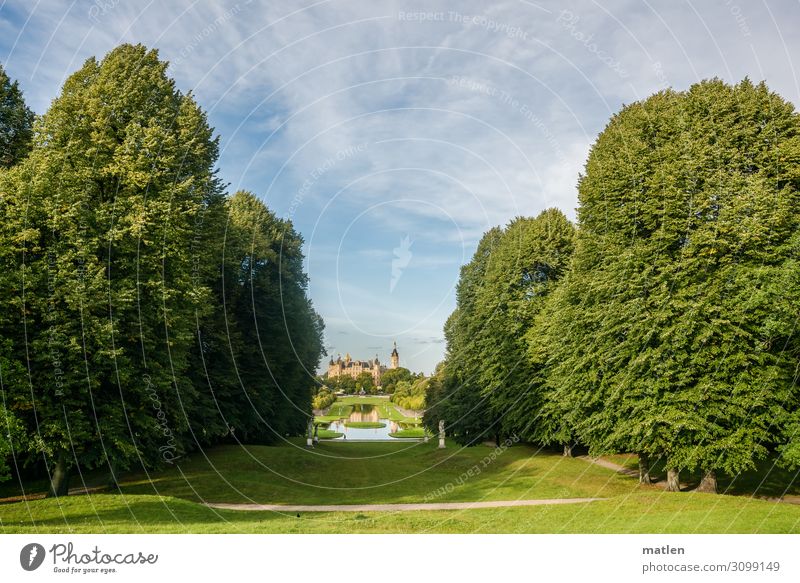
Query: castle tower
x: 395, y: 357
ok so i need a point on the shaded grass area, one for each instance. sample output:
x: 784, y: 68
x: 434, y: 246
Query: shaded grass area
x: 379, y: 472
x: 768, y: 479
x: 644, y: 512
x: 340, y: 472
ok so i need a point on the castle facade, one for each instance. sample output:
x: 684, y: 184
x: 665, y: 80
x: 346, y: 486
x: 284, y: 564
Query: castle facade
x: 348, y: 367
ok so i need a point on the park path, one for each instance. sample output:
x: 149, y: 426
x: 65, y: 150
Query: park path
x: 397, y: 507
x: 610, y: 466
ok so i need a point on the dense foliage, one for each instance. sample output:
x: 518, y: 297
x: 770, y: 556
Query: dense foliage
x: 412, y: 394
x: 391, y: 377
x: 323, y: 399
x: 673, y: 331
x: 145, y: 312
x: 489, y: 385
x: 16, y: 123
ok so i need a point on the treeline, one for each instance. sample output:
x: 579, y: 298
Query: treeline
x: 665, y: 322
x: 411, y: 394
x: 145, y: 313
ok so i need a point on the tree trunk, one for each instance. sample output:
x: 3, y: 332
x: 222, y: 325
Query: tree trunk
x: 673, y: 480
x: 567, y: 450
x: 497, y: 440
x: 708, y: 483
x: 644, y: 469
x: 59, y: 481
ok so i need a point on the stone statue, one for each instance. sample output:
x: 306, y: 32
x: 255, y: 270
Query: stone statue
x: 441, y: 433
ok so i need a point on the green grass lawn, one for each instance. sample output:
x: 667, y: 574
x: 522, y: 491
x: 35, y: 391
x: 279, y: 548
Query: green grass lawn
x: 365, y: 424
x: 339, y: 410
x: 328, y: 434
x: 346, y: 473
x: 410, y: 433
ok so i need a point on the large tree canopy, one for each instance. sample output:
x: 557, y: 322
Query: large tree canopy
x: 666, y: 339
x: 488, y: 384
x: 459, y: 400
x: 119, y: 290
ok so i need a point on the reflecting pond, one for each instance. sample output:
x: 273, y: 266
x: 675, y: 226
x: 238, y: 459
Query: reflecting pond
x: 363, y: 413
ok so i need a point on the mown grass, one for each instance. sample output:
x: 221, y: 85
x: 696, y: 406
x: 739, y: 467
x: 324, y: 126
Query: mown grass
x: 339, y: 410
x: 328, y: 434
x: 410, y: 433
x: 642, y: 512
x: 365, y: 424
x: 346, y: 473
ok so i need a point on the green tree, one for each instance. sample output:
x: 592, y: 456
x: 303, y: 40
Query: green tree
x: 460, y: 403
x: 391, y: 377
x: 103, y: 212
x: 365, y: 382
x: 528, y: 263
x: 412, y: 394
x: 344, y: 383
x: 268, y: 333
x: 665, y: 340
x: 16, y: 123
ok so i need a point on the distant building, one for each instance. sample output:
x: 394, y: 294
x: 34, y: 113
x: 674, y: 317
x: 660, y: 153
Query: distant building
x: 353, y: 368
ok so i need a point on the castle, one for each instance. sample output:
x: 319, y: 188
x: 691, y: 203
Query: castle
x: 353, y: 368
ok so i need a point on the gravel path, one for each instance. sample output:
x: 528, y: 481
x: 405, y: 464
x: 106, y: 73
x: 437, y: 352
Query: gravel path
x: 397, y: 507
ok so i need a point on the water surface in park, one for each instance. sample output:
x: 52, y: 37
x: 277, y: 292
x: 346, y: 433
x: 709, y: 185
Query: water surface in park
x: 370, y: 414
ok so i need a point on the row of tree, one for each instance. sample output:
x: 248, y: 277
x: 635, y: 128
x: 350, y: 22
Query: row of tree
x: 144, y: 312
x: 665, y: 323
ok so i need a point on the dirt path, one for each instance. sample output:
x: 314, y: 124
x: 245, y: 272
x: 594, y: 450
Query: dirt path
x: 397, y: 507
x: 610, y: 466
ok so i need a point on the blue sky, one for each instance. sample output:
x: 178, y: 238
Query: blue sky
x: 395, y: 133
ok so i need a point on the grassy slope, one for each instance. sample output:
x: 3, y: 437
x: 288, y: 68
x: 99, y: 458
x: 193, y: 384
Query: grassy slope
x: 351, y: 473
x: 392, y: 472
